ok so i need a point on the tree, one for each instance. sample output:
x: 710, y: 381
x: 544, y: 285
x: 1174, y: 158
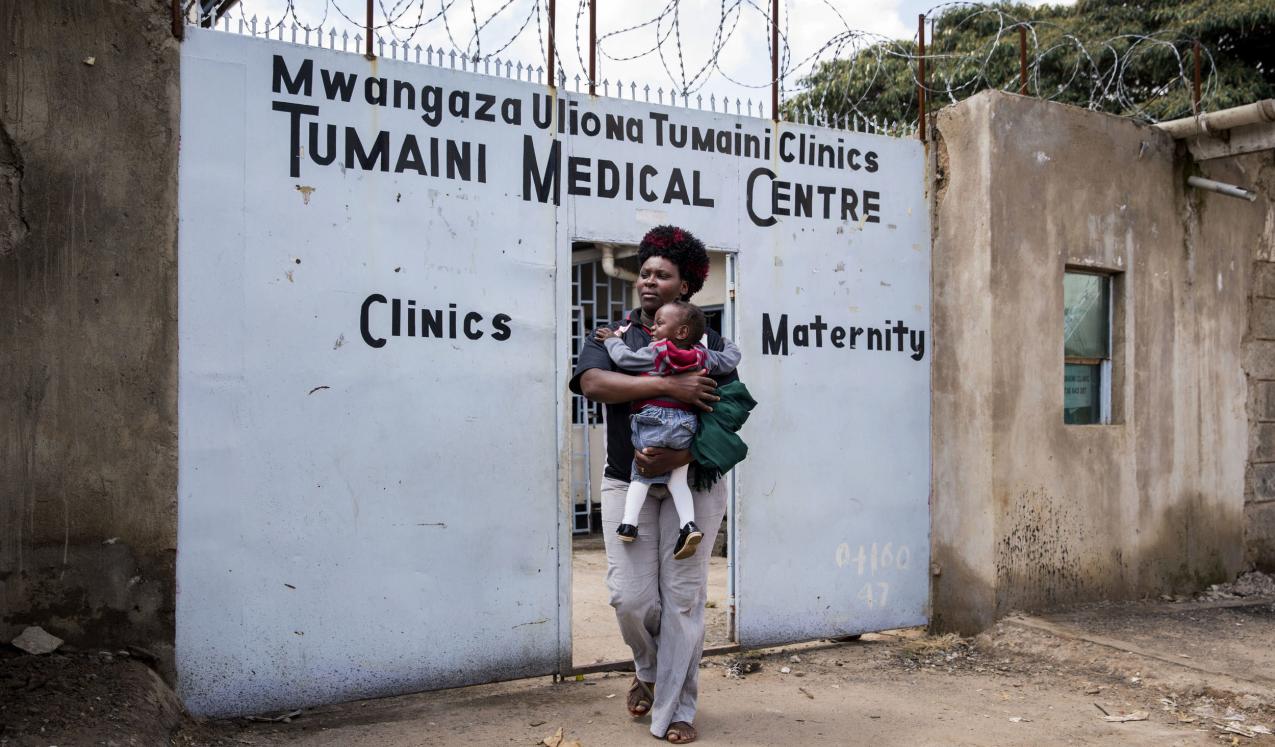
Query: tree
x: 1131, y: 58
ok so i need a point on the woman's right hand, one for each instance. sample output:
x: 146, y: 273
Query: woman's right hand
x: 693, y: 388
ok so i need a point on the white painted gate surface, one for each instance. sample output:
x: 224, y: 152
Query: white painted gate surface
x: 360, y: 513
x: 833, y: 501
x: 373, y: 347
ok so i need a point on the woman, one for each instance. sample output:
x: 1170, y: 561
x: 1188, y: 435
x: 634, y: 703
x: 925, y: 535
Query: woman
x: 658, y: 601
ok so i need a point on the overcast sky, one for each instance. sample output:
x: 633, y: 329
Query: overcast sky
x: 810, y: 24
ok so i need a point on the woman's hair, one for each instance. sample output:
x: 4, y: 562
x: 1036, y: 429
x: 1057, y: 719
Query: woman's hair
x: 682, y: 249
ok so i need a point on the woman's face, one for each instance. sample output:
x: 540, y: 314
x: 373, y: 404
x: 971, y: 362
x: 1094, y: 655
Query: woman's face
x: 658, y: 283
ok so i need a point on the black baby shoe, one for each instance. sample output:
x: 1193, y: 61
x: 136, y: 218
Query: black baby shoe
x: 687, y: 541
x: 627, y: 532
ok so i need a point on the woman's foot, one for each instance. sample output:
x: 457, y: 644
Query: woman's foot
x: 627, y: 532
x: 680, y: 732
x: 687, y: 541
x: 641, y: 695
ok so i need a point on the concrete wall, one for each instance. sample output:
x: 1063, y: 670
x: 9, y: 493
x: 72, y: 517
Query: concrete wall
x: 88, y: 376
x: 1029, y: 513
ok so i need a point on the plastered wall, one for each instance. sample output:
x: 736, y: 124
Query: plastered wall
x: 88, y: 190
x: 1030, y: 513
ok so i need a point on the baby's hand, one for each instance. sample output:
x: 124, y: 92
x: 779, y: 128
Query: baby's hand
x: 602, y: 333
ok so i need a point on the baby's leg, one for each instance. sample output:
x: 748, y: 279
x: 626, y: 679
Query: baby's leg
x: 681, y: 490
x: 633, y: 501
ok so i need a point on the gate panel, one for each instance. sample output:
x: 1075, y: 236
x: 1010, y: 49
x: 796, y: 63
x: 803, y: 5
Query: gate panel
x: 368, y: 409
x: 833, y: 502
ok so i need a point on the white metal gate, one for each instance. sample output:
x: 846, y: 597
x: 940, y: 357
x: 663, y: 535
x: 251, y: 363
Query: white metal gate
x: 373, y: 351
x: 832, y: 512
x: 367, y: 405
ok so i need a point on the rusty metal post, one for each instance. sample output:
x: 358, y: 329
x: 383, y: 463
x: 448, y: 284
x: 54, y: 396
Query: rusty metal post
x: 920, y: 61
x: 1195, y: 95
x: 369, y: 54
x: 1022, y: 60
x: 553, y: 78
x: 774, y: 60
x: 179, y: 27
x: 593, y: 47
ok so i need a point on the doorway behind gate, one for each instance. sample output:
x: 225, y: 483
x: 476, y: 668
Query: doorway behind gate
x: 599, y: 297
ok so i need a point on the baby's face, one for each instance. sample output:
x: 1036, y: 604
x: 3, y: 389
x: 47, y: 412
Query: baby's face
x: 668, y: 323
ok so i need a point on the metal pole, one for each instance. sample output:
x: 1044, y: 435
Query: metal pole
x: 1195, y: 97
x: 179, y: 28
x: 369, y: 54
x: 920, y: 91
x: 1230, y: 190
x: 1022, y: 60
x: 593, y: 47
x: 553, y: 14
x: 774, y: 60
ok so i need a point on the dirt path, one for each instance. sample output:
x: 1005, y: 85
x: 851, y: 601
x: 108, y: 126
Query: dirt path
x: 872, y: 692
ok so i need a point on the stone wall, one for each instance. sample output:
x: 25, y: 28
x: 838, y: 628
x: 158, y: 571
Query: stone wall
x: 1258, y: 172
x: 88, y: 372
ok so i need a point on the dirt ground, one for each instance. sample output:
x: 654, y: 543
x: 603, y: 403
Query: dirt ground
x: 1190, y: 673
x: 83, y: 698
x: 876, y: 691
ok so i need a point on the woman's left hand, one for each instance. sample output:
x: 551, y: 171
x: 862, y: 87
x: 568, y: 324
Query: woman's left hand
x: 656, y: 461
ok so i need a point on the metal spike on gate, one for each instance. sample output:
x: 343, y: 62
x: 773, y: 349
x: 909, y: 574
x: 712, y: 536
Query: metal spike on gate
x: 393, y: 49
x: 254, y: 25
x: 294, y: 32
x: 345, y: 41
x: 498, y: 63
x: 332, y: 39
x: 750, y: 107
x: 577, y: 82
x: 267, y: 33
x: 540, y: 73
x: 647, y: 90
x: 452, y: 57
x: 606, y: 87
x: 633, y: 91
x: 619, y: 88
x: 418, y: 53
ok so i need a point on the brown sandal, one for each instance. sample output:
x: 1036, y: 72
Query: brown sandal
x: 680, y: 732
x: 641, y: 696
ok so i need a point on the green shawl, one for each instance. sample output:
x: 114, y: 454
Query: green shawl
x: 717, y: 446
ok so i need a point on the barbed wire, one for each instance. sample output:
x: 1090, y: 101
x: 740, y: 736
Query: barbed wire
x: 844, y: 77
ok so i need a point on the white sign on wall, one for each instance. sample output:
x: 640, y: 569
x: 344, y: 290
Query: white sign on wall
x: 373, y: 340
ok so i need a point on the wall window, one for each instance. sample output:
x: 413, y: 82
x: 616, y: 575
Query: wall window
x: 1087, y: 370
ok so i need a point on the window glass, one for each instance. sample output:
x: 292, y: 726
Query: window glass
x: 1086, y: 331
x: 1081, y: 394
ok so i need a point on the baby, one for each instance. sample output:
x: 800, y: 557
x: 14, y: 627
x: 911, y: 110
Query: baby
x: 675, y: 349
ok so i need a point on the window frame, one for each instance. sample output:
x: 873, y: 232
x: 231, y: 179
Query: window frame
x: 1106, y: 368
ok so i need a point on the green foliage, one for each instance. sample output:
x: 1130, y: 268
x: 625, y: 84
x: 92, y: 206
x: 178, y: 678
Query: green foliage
x: 1131, y: 58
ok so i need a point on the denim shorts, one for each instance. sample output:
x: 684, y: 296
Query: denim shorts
x: 665, y: 427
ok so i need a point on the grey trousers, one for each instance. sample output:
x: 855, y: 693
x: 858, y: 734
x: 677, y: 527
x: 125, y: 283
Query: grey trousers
x: 659, y: 601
